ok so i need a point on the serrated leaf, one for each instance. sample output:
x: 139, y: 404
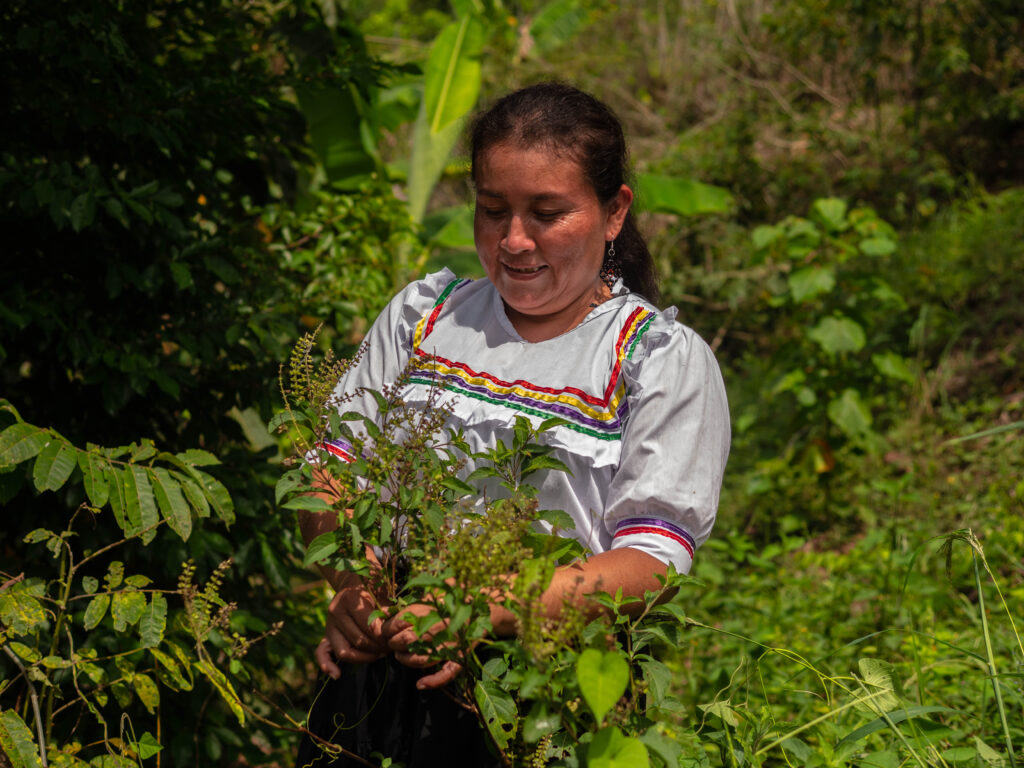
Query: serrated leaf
x: 94, y: 477
x: 602, y: 678
x: 95, y: 611
x: 538, y: 463
x: 21, y: 442
x: 127, y: 608
x: 224, y: 687
x: 153, y: 621
x: 172, y: 504
x: 54, y: 465
x: 498, y: 709
x: 322, y: 547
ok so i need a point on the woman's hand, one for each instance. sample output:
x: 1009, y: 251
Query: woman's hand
x: 350, y: 635
x: 400, y: 635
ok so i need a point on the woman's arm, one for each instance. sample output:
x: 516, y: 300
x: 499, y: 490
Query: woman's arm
x: 349, y: 636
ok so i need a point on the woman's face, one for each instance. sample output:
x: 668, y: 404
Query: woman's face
x: 540, y: 233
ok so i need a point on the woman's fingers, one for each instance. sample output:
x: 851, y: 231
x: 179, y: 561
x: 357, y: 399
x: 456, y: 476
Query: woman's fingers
x: 448, y: 672
x: 325, y: 659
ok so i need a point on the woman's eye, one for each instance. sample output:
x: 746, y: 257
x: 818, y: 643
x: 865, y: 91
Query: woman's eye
x: 547, y: 215
x: 493, y: 213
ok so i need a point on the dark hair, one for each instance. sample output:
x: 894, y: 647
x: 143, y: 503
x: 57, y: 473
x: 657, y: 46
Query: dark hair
x: 568, y: 121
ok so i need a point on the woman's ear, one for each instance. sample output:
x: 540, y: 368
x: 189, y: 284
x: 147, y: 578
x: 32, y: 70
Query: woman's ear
x: 618, y: 207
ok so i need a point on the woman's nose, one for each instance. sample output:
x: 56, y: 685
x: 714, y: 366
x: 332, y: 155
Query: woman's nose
x: 516, y: 239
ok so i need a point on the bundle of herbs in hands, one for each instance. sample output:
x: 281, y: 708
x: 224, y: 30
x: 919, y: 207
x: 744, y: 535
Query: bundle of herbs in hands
x: 440, y: 552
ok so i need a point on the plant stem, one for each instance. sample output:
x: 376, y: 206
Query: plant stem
x: 992, y: 661
x: 34, y: 698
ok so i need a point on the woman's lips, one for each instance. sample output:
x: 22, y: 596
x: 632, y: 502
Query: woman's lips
x: 524, y: 272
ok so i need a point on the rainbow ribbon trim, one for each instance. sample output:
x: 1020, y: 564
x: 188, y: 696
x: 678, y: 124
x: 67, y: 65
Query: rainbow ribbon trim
x: 600, y: 416
x: 646, y: 525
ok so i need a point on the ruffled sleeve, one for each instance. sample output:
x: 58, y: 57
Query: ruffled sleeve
x: 664, y: 495
x: 386, y: 349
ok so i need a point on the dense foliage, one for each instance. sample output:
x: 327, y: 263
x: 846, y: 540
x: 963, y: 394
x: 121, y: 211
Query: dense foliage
x: 833, y: 196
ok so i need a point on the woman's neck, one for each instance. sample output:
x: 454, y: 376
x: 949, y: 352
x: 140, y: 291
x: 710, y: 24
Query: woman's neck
x: 535, y: 328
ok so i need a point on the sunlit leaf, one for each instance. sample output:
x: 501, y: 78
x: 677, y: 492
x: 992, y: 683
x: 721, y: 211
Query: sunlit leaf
x: 603, y: 678
x: 831, y: 211
x: 838, y: 334
x: 680, y: 196
x: 498, y: 709
x: 611, y: 749
x: 809, y: 282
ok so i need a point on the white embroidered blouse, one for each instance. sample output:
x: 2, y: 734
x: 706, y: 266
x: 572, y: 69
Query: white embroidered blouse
x: 646, y: 436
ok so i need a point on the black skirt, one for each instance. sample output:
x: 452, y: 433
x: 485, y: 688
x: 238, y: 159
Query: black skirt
x: 375, y: 711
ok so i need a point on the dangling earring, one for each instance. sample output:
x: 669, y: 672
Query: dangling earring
x: 610, y: 270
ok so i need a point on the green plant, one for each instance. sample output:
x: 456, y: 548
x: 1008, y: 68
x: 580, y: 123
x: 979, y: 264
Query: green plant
x: 561, y: 689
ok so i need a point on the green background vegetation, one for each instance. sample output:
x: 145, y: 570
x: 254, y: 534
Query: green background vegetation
x: 833, y: 192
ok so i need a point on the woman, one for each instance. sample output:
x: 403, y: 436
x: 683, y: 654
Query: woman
x: 560, y: 327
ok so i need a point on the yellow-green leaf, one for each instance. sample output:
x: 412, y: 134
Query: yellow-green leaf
x: 224, y: 687
x: 127, y: 608
x: 20, y: 442
x: 148, y: 692
x: 16, y: 741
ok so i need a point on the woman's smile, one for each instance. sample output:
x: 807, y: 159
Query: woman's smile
x: 541, y: 234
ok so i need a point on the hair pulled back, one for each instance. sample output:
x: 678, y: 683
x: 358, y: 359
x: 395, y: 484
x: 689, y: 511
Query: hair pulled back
x: 570, y: 122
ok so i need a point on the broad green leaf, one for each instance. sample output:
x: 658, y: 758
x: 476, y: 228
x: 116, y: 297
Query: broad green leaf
x: 147, y: 746
x: 193, y: 493
x: 831, y: 211
x: 989, y: 755
x: 764, y: 235
x: 94, y: 477
x: 838, y: 334
x: 117, y: 499
x: 539, y: 463
x: 172, y: 504
x: 333, y: 116
x: 153, y: 621
x: 224, y: 687
x: 289, y: 482
x: 809, y: 282
x: 894, y: 366
x: 451, y: 85
x: 20, y: 608
x: 174, y: 676
x: 140, y: 504
x: 20, y: 442
x: 603, y: 678
x: 320, y: 548
x: 557, y: 518
x: 877, y: 677
x: 96, y: 610
x: 659, y: 680
x: 198, y: 458
x: 16, y: 741
x: 539, y: 722
x: 894, y: 717
x: 555, y: 24
x: 29, y: 654
x: 498, y: 709
x: 147, y: 691
x: 456, y: 232
x: 877, y: 246
x: 850, y: 414
x: 665, y: 745
x: 54, y: 465
x: 127, y: 608
x: 610, y: 749
x: 216, y: 494
x: 83, y: 211
x: 680, y: 196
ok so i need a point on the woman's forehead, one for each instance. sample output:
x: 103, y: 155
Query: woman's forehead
x: 543, y: 170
